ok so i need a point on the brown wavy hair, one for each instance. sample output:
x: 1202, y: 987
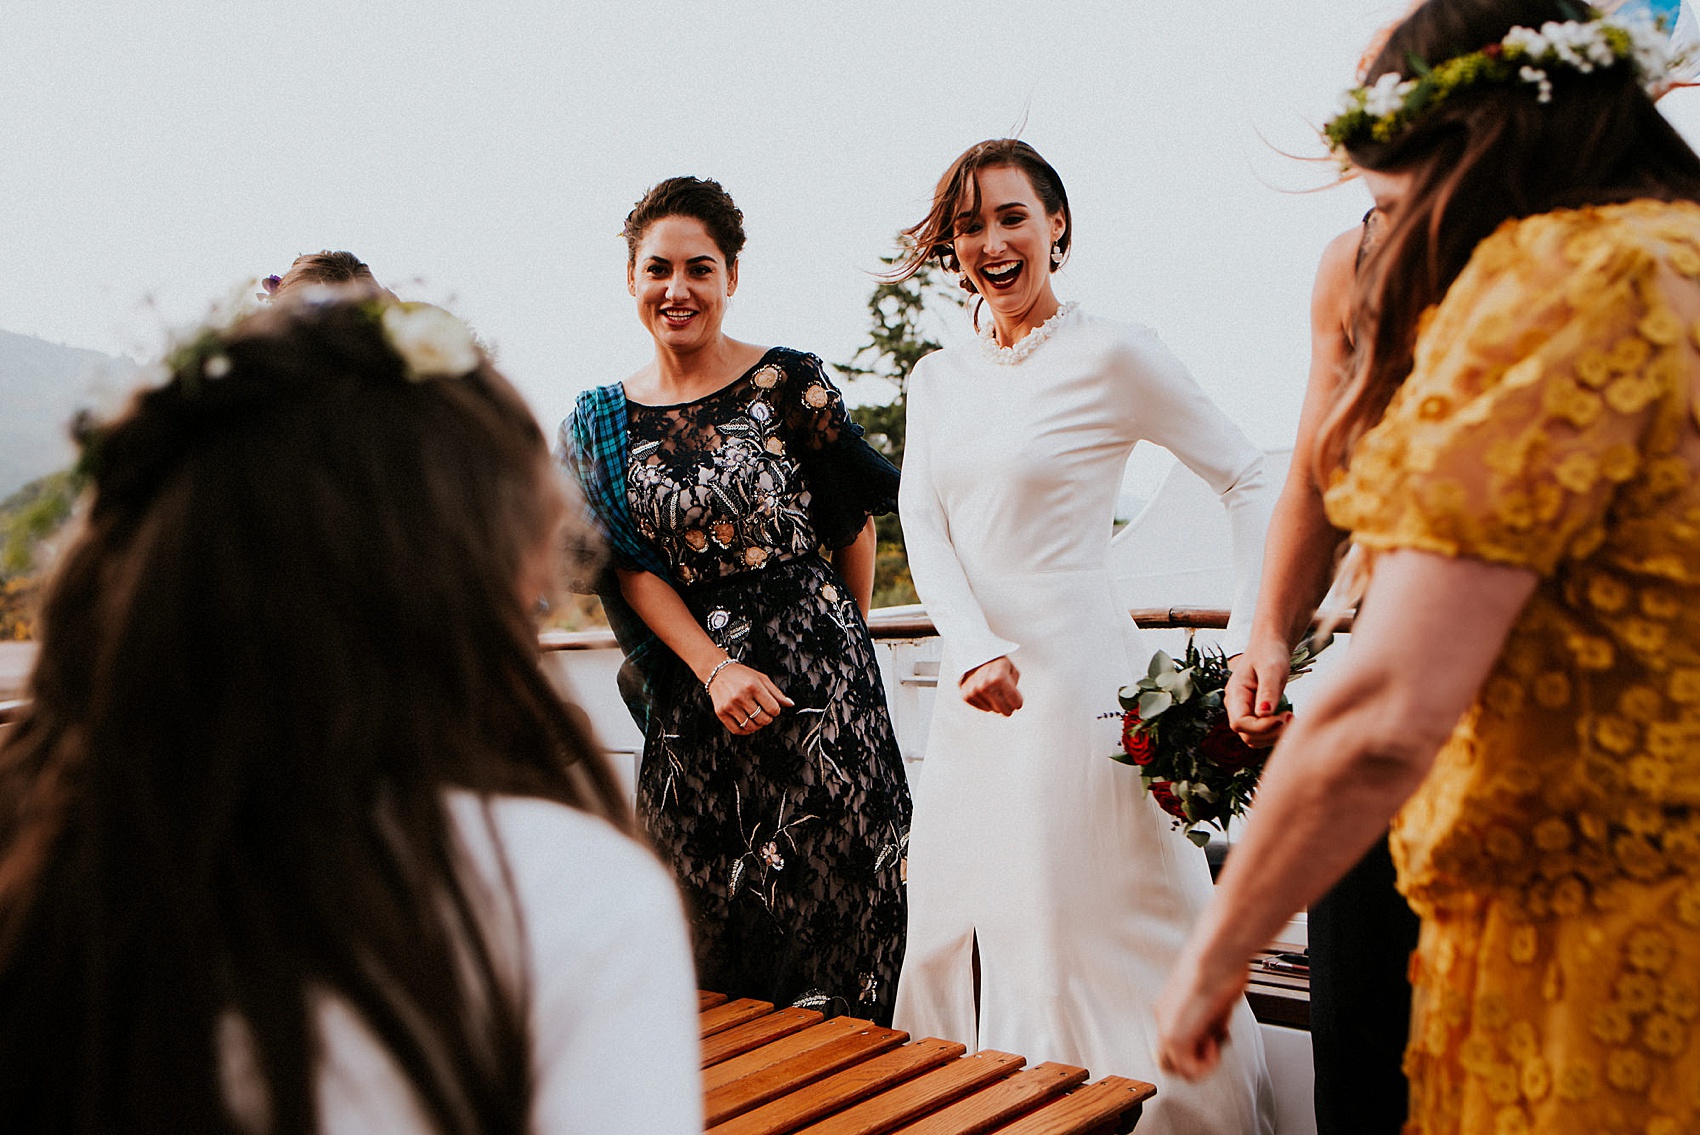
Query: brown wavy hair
x: 703, y: 200
x: 291, y: 621
x: 958, y: 191
x: 1488, y: 154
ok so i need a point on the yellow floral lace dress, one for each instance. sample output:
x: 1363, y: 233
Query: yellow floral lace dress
x: 1554, y: 852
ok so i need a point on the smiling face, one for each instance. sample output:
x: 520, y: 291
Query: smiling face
x: 681, y: 281
x: 1004, y: 247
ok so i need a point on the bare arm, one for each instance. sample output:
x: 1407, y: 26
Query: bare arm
x: 855, y: 565
x: 744, y: 698
x: 1430, y: 632
x: 1298, y: 558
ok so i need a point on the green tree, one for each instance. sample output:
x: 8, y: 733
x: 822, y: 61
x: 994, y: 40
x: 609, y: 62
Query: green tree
x: 897, y: 340
x: 28, y: 519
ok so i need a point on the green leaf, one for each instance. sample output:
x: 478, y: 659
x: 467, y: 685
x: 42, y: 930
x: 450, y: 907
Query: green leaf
x: 1198, y: 836
x: 1153, y: 703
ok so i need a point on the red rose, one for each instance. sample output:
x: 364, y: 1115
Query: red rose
x: 1135, y: 744
x: 1223, y: 748
x: 1166, y: 799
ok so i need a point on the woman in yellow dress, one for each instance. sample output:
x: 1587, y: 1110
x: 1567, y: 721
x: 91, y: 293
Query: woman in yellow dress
x: 1525, y: 670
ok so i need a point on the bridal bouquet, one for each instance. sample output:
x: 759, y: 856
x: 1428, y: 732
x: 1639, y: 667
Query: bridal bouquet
x: 1175, y: 731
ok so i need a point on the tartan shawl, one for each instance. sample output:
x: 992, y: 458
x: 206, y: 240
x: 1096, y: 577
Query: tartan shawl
x: 594, y: 452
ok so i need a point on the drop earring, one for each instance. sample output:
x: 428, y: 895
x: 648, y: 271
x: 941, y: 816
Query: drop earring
x: 1056, y: 255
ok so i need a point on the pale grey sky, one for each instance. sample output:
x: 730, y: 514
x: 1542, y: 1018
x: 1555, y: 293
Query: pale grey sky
x: 159, y: 155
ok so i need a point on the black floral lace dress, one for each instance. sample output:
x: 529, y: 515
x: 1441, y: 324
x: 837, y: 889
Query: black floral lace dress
x: 787, y: 842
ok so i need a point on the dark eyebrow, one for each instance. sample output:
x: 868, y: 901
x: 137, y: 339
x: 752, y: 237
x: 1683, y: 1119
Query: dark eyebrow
x: 1005, y: 207
x: 652, y: 258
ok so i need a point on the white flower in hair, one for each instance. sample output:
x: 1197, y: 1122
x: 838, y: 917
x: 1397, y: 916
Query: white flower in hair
x: 1388, y: 94
x: 432, y: 342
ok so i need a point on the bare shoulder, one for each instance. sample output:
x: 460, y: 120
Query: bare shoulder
x: 746, y: 355
x: 1337, y: 268
x: 643, y: 384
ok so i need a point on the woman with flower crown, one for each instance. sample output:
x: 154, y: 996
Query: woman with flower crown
x: 1047, y: 895
x: 771, y: 779
x: 295, y: 834
x: 1515, y: 456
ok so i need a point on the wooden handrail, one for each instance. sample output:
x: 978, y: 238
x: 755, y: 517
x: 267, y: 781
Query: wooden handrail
x: 902, y: 624
x: 884, y: 625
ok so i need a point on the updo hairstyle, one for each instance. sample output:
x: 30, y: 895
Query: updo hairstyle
x: 694, y: 197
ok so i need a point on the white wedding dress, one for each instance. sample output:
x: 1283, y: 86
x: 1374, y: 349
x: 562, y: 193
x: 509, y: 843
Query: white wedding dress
x: 1028, y: 840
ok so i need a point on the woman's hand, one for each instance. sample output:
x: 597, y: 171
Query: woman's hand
x: 745, y: 699
x: 991, y: 686
x: 1256, y: 681
x: 1192, y: 1018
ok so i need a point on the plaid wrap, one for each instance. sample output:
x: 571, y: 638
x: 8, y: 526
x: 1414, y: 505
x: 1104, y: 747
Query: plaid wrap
x: 593, y: 451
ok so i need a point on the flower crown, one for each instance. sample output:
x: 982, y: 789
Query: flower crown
x: 429, y: 341
x: 1383, y: 109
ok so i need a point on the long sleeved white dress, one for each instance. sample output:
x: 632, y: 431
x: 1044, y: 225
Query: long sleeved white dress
x: 1028, y: 842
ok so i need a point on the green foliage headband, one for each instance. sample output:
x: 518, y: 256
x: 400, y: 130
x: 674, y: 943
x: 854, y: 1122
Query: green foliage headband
x: 1384, y: 109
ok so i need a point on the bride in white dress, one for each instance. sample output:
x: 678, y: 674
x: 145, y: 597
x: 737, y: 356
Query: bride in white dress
x: 1048, y: 898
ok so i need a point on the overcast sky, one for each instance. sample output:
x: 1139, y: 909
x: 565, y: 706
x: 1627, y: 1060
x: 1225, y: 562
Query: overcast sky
x: 160, y: 155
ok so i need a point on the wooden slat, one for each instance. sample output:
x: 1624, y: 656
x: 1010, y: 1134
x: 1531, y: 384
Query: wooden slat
x: 1112, y: 1104
x: 985, y: 1110
x: 708, y: 1000
x: 838, y: 1091
x: 736, y: 1096
x: 921, y: 1096
x: 753, y: 1034
x: 782, y: 1049
x: 719, y: 1018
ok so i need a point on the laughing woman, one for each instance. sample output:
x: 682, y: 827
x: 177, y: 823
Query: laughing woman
x: 771, y: 779
x: 1047, y: 897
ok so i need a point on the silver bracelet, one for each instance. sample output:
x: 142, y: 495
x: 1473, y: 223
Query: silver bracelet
x: 723, y: 663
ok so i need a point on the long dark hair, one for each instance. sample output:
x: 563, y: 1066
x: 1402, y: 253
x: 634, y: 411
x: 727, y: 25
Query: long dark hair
x: 292, y: 619
x: 1488, y: 154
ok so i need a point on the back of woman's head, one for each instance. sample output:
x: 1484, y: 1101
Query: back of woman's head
x: 326, y: 267
x: 1483, y: 153
x: 294, y: 616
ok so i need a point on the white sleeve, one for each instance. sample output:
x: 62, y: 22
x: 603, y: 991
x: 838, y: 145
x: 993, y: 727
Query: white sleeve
x: 1171, y: 410
x: 938, y: 575
x: 614, y: 1018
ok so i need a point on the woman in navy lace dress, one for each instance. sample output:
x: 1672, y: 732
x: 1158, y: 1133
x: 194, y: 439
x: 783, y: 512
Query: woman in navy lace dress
x: 770, y: 778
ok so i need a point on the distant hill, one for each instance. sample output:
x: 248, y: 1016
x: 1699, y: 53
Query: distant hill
x: 42, y: 385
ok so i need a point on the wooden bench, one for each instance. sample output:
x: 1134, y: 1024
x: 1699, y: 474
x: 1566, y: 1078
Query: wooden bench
x: 772, y: 1072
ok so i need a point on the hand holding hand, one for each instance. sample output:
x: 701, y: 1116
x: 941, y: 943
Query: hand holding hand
x: 745, y: 699
x: 1253, y: 695
x: 991, y: 686
x: 1192, y: 1019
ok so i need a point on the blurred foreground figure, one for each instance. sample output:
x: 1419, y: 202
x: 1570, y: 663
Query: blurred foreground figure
x: 1514, y: 453
x: 295, y: 835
